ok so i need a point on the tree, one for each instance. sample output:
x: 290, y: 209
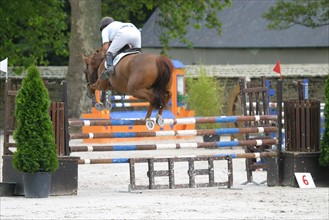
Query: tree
x: 308, y: 13
x: 137, y: 11
x: 31, y: 31
x: 36, y: 149
x: 85, y: 38
x: 324, y: 157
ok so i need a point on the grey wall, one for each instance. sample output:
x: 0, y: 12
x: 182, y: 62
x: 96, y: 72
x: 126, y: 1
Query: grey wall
x: 233, y: 56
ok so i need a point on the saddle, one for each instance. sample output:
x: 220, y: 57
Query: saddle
x: 126, y: 50
x: 120, y: 55
x: 129, y: 49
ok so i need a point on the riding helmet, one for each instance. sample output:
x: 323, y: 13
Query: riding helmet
x: 104, y: 22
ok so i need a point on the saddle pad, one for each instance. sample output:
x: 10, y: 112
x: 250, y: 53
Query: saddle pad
x: 120, y: 56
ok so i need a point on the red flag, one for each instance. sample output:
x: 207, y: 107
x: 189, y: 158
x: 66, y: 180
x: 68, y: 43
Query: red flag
x: 277, y: 68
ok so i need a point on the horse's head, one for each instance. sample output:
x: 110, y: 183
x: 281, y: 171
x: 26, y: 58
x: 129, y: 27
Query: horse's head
x: 92, y: 63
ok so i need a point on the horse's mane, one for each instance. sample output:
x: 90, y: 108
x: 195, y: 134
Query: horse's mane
x: 94, y: 61
x: 96, y: 58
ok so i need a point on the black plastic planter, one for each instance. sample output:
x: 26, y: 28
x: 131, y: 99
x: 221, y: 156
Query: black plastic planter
x: 37, y: 185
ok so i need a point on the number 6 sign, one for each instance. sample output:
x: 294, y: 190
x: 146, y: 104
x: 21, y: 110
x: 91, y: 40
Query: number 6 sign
x: 305, y: 180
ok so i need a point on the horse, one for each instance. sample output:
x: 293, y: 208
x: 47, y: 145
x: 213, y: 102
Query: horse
x: 143, y: 75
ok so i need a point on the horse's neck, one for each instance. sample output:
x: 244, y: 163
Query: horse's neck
x: 98, y: 55
x: 100, y: 60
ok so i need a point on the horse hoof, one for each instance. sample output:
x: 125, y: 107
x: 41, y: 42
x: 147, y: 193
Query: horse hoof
x: 99, y: 106
x: 160, y: 121
x: 149, y: 124
x: 108, y: 105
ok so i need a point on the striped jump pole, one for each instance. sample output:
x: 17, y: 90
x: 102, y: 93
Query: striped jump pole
x: 173, y: 133
x: 122, y: 97
x: 126, y: 160
x: 174, y: 121
x: 219, y: 144
x: 105, y: 122
x: 129, y: 104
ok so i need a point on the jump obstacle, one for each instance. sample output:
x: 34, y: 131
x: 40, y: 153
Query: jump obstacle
x: 174, y: 159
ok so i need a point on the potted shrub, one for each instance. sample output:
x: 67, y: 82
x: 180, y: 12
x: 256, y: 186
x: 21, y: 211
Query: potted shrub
x: 35, y: 156
x: 205, y: 98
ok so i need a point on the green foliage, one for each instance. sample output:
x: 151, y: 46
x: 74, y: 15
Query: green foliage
x: 137, y: 11
x: 38, y: 30
x: 36, y: 150
x: 324, y: 157
x: 303, y: 12
x: 175, y: 15
x: 30, y: 30
x: 205, y: 97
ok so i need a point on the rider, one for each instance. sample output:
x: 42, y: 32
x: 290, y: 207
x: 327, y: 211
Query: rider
x: 115, y: 35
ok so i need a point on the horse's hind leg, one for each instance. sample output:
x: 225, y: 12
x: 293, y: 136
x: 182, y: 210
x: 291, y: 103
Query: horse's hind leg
x: 146, y: 95
x: 148, y: 122
x: 159, y: 120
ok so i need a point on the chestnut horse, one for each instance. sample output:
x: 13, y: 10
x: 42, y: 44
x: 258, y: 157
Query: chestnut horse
x: 144, y: 76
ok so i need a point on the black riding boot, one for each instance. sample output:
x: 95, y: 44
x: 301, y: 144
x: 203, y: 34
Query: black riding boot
x: 109, y: 67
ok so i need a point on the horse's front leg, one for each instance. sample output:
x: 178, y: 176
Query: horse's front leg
x: 100, y: 105
x: 106, y: 99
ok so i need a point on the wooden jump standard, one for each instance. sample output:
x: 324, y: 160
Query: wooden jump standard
x: 192, y: 172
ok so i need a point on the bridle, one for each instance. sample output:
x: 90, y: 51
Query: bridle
x: 93, y: 75
x: 90, y: 78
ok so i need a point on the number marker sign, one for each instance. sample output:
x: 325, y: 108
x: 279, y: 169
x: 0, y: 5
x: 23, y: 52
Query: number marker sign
x: 305, y: 180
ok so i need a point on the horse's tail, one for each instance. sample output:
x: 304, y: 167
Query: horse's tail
x: 161, y: 89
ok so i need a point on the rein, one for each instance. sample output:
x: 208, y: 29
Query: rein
x: 94, y: 74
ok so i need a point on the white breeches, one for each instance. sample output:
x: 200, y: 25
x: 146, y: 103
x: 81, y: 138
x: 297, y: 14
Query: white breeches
x: 126, y: 35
